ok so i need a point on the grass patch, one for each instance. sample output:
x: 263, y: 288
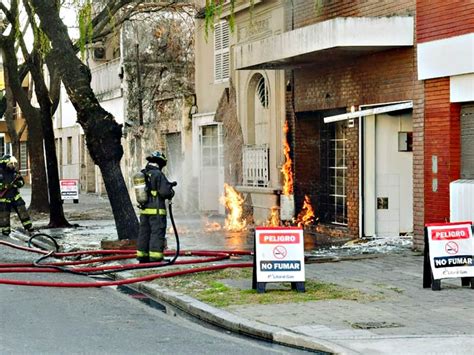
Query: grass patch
x: 230, y: 287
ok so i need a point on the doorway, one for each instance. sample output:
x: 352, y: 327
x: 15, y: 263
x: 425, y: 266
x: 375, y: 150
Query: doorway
x: 388, y: 174
x: 211, y: 181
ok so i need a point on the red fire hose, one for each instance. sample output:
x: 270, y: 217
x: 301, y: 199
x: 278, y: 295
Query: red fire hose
x: 209, y: 256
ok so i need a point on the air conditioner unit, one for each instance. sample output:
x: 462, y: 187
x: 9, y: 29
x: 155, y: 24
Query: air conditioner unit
x: 461, y: 200
x: 99, y: 53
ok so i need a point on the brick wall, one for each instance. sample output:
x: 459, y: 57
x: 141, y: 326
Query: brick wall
x: 304, y: 12
x: 442, y: 140
x: 436, y: 19
x: 233, y: 139
x: 381, y: 77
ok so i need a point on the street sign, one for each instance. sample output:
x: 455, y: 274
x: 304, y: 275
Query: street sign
x: 279, y: 256
x: 69, y: 189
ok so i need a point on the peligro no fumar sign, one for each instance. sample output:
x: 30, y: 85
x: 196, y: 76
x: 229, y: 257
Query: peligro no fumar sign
x: 451, y: 248
x: 279, y: 254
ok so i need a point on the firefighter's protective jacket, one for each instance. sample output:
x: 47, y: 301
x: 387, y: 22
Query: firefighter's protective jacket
x: 10, y: 182
x: 159, y: 190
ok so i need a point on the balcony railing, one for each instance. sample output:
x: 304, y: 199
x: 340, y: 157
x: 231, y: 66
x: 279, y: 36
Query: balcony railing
x: 255, y: 165
x: 106, y: 80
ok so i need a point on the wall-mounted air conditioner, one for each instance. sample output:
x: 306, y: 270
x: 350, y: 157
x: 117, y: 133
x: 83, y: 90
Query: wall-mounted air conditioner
x: 461, y: 200
x: 99, y: 53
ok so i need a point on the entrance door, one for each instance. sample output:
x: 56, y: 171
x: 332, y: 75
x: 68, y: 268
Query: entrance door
x: 388, y: 175
x: 211, y: 168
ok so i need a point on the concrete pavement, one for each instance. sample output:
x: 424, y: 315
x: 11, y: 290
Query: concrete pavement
x: 404, y: 318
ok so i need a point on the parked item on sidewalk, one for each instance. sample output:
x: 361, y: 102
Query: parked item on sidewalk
x: 152, y: 231
x: 10, y: 198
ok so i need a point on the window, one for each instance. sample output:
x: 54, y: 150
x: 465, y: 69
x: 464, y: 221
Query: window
x: 339, y: 174
x: 59, y: 150
x: 69, y: 150
x: 2, y: 144
x: 221, y: 51
x: 262, y: 92
x: 211, y: 140
x: 334, y: 173
x: 23, y: 157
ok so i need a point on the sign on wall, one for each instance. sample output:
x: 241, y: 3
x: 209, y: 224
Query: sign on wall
x: 279, y: 255
x: 69, y: 189
x: 451, y: 250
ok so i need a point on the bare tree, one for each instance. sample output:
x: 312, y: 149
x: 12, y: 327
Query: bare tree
x: 103, y: 133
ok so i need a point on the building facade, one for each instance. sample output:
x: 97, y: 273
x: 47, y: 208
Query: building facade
x: 144, y: 76
x: 355, y: 110
x: 445, y: 36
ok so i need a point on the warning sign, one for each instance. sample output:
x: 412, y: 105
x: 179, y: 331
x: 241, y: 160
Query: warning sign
x: 451, y: 249
x: 69, y: 189
x: 279, y: 254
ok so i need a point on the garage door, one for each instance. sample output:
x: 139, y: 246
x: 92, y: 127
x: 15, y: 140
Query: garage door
x: 467, y: 141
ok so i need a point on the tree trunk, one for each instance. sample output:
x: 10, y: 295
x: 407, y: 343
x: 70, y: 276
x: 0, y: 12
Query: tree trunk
x: 102, y: 132
x: 39, y: 193
x: 56, y: 212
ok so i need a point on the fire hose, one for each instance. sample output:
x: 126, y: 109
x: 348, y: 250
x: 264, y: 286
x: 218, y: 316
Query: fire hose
x: 112, y: 255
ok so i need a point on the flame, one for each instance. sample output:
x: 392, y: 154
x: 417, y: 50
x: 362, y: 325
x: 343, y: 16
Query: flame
x: 233, y: 201
x: 287, y: 169
x: 274, y: 220
x: 306, y: 215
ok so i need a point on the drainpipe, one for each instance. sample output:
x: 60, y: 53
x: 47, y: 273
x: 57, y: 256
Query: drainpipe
x: 139, y: 86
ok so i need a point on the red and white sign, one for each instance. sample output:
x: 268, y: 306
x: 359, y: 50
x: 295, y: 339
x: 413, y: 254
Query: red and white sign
x: 451, y: 248
x: 279, y: 254
x: 69, y: 189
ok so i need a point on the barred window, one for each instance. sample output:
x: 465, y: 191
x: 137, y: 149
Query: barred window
x: 23, y: 157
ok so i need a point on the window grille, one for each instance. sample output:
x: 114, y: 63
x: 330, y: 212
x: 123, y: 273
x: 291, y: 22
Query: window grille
x: 23, y: 157
x: 262, y: 91
x: 338, y: 175
x: 221, y: 51
x: 255, y: 165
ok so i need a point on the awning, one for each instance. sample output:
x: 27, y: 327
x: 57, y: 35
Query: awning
x: 325, y: 41
x: 369, y: 112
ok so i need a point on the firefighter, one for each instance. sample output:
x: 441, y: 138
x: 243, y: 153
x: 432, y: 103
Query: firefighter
x: 10, y: 198
x: 151, y: 236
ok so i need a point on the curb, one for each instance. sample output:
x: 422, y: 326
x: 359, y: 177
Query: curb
x: 235, y: 323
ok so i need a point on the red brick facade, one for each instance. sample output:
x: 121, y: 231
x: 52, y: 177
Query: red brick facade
x: 442, y: 144
x: 382, y: 77
x: 437, y: 19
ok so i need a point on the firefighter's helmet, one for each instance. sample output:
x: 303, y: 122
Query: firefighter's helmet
x: 158, y: 158
x: 9, y: 160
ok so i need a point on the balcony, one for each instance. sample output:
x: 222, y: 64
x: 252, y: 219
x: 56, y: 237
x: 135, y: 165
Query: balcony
x: 106, y: 82
x: 255, y: 165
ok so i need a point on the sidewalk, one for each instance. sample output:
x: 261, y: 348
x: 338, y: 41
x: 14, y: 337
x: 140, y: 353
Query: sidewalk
x: 404, y: 318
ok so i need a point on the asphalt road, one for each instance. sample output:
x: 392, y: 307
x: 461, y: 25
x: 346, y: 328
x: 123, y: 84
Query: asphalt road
x: 40, y: 320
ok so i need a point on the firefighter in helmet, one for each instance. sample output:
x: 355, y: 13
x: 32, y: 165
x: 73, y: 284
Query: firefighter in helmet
x: 151, y: 236
x: 10, y: 198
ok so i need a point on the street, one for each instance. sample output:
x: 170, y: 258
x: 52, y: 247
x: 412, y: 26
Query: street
x: 88, y: 321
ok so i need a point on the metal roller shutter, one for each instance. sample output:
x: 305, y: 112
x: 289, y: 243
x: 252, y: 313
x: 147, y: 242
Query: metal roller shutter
x: 467, y: 141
